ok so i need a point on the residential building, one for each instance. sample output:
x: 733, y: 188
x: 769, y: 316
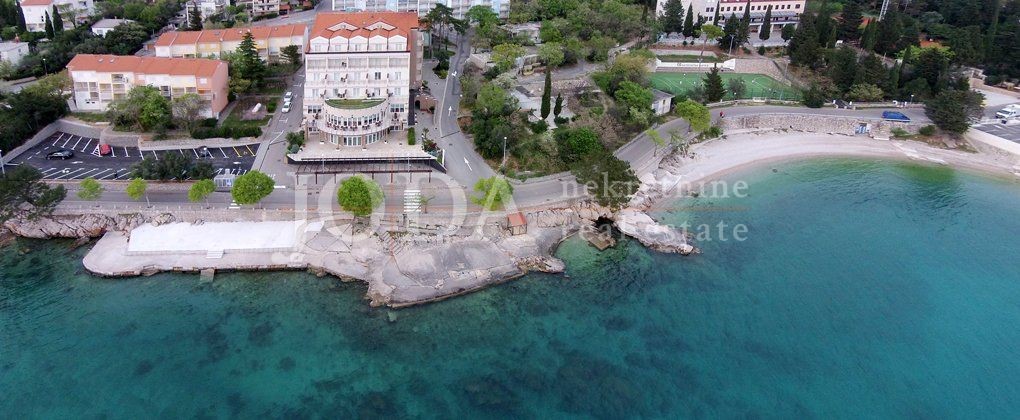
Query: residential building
x: 98, y: 80
x: 361, y: 71
x: 208, y: 8
x: 211, y: 43
x: 104, y: 26
x: 71, y: 11
x: 422, y: 7
x: 13, y: 51
x: 257, y: 8
x: 783, y: 11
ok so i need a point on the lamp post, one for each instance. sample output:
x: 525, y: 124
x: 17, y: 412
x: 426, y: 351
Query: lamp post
x: 504, y: 153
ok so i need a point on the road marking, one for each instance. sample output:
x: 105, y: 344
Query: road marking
x: 196, y: 153
x: 58, y: 138
x: 47, y: 172
x: 95, y: 151
x: 113, y: 152
x: 65, y: 142
x: 155, y: 155
x: 98, y: 176
x: 67, y: 172
x: 86, y: 146
x: 126, y: 152
x: 468, y: 164
x: 235, y: 151
x: 79, y: 141
x: 83, y: 175
x: 224, y: 153
x: 249, y: 150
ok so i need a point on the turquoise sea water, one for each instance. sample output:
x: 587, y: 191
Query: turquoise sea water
x: 863, y: 289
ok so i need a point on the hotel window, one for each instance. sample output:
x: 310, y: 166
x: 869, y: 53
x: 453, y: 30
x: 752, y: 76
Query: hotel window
x: 798, y: 6
x: 352, y: 140
x: 378, y: 75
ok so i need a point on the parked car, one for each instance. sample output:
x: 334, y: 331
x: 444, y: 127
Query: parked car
x: 105, y: 149
x: 203, y: 152
x: 61, y: 154
x: 895, y: 116
x: 286, y: 108
x: 1011, y: 111
x: 287, y: 96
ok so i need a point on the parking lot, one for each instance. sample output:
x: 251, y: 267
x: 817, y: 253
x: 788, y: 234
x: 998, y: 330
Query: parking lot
x: 87, y: 161
x: 1009, y: 132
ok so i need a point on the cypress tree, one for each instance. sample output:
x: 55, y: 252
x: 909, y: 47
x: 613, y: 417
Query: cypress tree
x: 58, y: 22
x: 49, y: 27
x: 559, y: 106
x: 744, y: 29
x: 729, y: 31
x: 547, y: 95
x: 715, y: 19
x: 714, y: 90
x: 766, y: 25
x: 195, y: 15
x: 689, y: 22
x: 20, y: 17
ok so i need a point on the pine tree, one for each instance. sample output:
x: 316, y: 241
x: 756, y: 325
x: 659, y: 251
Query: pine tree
x: 766, y: 25
x: 20, y: 17
x: 850, y: 22
x: 822, y: 23
x: 714, y: 90
x: 715, y: 18
x: 804, y: 48
x: 49, y: 27
x: 195, y: 15
x: 744, y: 29
x: 729, y: 32
x: 689, y: 22
x: 250, y: 64
x: 892, y: 83
x: 869, y: 36
x: 672, y: 16
x: 558, y: 108
x: 58, y: 22
x: 547, y: 94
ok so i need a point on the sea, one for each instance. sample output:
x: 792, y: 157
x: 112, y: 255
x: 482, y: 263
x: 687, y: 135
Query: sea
x: 826, y: 288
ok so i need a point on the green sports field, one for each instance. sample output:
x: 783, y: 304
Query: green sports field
x: 758, y: 85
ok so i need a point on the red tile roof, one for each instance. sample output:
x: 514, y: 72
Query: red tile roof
x: 233, y: 34
x: 145, y: 65
x: 36, y: 2
x: 402, y: 22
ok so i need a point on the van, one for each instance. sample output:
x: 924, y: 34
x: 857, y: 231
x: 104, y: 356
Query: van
x: 1009, y: 112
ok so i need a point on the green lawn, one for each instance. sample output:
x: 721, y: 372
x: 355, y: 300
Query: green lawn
x: 758, y: 85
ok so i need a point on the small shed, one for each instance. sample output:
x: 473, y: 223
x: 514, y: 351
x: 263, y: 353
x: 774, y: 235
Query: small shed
x: 662, y: 102
x: 517, y: 223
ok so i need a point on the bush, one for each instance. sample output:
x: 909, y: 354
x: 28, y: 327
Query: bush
x: 271, y: 106
x: 761, y: 50
x: 712, y: 132
x: 411, y: 139
x: 813, y: 98
x: 209, y: 122
x: 539, y: 127
x: 561, y: 120
x: 899, y: 132
x: 227, y: 131
x: 927, y: 131
x: 993, y: 80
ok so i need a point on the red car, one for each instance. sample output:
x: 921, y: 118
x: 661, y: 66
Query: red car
x: 104, y: 149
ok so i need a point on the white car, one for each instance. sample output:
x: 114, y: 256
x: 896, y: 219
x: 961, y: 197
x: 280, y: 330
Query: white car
x: 287, y: 96
x: 286, y: 108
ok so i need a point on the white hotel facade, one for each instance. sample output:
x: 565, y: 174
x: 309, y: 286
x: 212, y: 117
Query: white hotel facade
x: 361, y: 72
x: 422, y: 7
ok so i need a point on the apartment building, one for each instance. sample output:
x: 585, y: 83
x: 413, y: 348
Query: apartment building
x: 422, y: 7
x: 211, y: 43
x: 106, y: 26
x: 783, y: 11
x: 71, y: 11
x: 258, y: 8
x: 208, y: 8
x: 361, y: 70
x: 98, y: 80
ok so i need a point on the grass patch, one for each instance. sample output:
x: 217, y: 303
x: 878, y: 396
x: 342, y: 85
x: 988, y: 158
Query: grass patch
x: 92, y: 117
x: 758, y: 85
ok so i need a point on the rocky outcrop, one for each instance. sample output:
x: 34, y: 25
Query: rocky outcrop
x: 81, y: 226
x: 651, y: 234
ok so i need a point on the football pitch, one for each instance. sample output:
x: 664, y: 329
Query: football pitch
x: 758, y: 85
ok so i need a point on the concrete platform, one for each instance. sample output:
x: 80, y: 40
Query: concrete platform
x: 222, y: 238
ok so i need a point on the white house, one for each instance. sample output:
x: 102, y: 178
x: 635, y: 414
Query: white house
x: 104, y: 26
x: 661, y: 102
x: 71, y: 11
x: 13, y: 51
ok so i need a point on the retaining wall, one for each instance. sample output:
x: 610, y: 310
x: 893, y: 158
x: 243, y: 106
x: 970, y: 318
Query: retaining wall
x: 817, y: 123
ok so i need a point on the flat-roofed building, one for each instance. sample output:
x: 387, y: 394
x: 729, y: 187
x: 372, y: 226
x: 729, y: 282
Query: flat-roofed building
x: 360, y: 73
x: 35, y: 12
x: 98, y: 80
x: 211, y: 43
x: 422, y: 7
x: 783, y: 11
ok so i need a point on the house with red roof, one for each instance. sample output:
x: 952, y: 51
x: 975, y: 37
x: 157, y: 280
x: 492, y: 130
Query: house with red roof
x: 211, y: 43
x: 35, y: 12
x: 98, y: 80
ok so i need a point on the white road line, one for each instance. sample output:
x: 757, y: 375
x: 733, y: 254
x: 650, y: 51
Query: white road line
x: 196, y: 153
x: 69, y: 173
x: 468, y: 164
x: 102, y: 174
x: 60, y: 136
x: 126, y: 152
x: 224, y: 153
x: 78, y: 141
x: 86, y: 146
x: 65, y: 142
x: 47, y: 172
x: 155, y: 155
x: 85, y: 174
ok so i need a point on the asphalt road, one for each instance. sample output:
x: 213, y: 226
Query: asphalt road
x: 87, y: 162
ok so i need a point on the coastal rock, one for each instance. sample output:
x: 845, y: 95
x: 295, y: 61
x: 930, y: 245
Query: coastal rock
x: 542, y: 263
x: 651, y: 234
x: 80, y: 226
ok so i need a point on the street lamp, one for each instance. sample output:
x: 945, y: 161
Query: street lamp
x: 504, y: 153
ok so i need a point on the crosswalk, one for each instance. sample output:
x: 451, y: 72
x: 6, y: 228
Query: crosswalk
x: 412, y: 201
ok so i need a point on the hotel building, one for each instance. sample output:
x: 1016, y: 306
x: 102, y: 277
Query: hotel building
x: 783, y: 11
x: 98, y: 80
x: 210, y: 43
x: 361, y: 71
x: 422, y: 7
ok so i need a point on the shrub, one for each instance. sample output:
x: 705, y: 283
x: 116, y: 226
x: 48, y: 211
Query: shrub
x: 271, y: 107
x: 209, y: 122
x: 539, y: 127
x: 411, y: 139
x: 227, y: 131
x: 927, y: 131
x: 993, y: 80
x: 761, y: 50
x: 712, y: 132
x: 899, y: 132
x: 561, y: 120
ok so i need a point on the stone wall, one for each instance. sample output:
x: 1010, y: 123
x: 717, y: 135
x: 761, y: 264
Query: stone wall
x: 817, y: 123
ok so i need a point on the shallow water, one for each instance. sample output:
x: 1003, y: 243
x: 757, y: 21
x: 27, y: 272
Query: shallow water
x: 863, y: 289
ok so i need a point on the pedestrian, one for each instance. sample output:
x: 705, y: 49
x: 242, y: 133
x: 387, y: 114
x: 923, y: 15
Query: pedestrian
x: 720, y: 114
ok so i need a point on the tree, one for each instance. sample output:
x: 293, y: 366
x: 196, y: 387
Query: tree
x: 788, y: 31
x: 708, y: 32
x: 247, y: 63
x: 547, y: 93
x: 850, y: 21
x: 843, y: 68
x: 813, y: 98
x: 714, y: 90
x: 804, y: 47
x: 293, y: 54
x: 688, y: 30
x: 494, y: 193
x: 657, y: 140
x: 715, y: 17
x: 673, y: 16
x: 637, y: 100
x: 551, y: 54
x: 865, y: 92
x: 954, y: 111
x: 136, y: 189
x: 737, y: 87
x: 504, y: 56
x: 932, y: 64
x: 730, y: 32
x: 20, y: 17
x: 573, y: 143
x: 697, y: 115
x: 608, y: 179
x: 482, y: 16
x: 632, y: 66
x: 868, y: 36
x: 251, y: 187
x: 187, y: 109
x: 125, y: 39
x: 90, y: 190
x: 195, y: 17
x: 24, y: 194
x: 143, y: 107
x: 766, y: 25
x: 58, y: 22
x: 49, y: 26
x: 359, y: 195
x: 744, y: 28
x: 558, y: 107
